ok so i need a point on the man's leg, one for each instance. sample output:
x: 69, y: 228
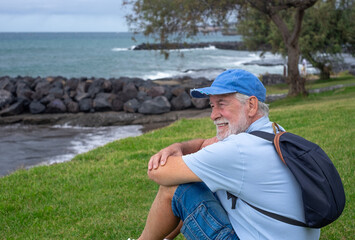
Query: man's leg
x: 161, y: 220
x: 202, y: 214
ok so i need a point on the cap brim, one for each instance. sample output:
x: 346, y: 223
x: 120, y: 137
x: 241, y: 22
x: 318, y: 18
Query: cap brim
x: 205, y: 92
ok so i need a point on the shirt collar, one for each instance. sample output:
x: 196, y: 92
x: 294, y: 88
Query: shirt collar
x: 258, y: 124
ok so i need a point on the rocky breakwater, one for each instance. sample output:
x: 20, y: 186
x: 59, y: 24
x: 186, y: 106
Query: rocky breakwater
x: 22, y: 96
x: 240, y: 46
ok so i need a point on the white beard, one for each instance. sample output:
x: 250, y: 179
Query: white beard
x: 232, y: 128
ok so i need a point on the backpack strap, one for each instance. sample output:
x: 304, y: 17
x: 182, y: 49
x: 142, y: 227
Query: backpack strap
x: 267, y: 213
x: 275, y: 139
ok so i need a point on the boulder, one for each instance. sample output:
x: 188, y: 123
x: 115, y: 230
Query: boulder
x: 81, y: 92
x: 7, y: 84
x: 102, y: 102
x: 85, y: 105
x: 95, y: 87
x: 143, y: 96
x: 56, y: 91
x: 72, y: 83
x: 145, y: 86
x: 176, y: 91
x: 117, y: 104
x: 168, y: 94
x: 47, y: 99
x: 14, y: 109
x: 200, y: 103
x: 156, y: 91
x: 72, y: 107
x: 36, y: 107
x: 181, y: 102
x: 24, y: 93
x: 107, y: 86
x: 117, y: 85
x: 42, y: 88
x: 6, y: 98
x: 56, y: 106
x: 157, y: 105
x: 131, y: 106
x: 130, y: 90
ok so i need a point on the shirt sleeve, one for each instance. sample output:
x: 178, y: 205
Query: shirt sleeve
x: 220, y: 166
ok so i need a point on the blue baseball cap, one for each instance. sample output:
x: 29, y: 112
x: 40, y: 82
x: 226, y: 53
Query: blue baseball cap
x: 230, y: 81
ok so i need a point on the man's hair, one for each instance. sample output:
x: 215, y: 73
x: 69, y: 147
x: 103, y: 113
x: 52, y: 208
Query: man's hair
x: 263, y: 108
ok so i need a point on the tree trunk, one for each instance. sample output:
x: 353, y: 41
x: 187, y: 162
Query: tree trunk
x: 325, y: 72
x: 295, y: 82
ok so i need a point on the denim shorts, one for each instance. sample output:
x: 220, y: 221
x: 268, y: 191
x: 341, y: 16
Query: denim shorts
x: 202, y: 213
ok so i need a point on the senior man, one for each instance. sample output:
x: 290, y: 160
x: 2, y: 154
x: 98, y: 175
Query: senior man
x: 195, y: 177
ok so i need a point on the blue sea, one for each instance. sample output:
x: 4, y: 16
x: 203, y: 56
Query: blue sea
x: 111, y: 55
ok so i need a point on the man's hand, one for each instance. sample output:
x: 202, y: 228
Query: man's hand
x: 161, y: 157
x: 178, y: 149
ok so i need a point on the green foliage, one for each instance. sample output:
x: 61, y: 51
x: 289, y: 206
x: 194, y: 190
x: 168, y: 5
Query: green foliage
x: 105, y: 193
x: 165, y: 19
x: 327, y: 30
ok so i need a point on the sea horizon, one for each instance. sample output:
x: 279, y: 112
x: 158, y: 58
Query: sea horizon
x: 110, y: 55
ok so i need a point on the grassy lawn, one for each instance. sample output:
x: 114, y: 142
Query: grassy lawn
x: 105, y: 193
x: 313, y: 84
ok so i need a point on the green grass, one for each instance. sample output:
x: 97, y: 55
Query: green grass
x: 343, y: 78
x: 105, y: 193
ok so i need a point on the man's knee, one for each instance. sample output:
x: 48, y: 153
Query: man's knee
x: 167, y: 192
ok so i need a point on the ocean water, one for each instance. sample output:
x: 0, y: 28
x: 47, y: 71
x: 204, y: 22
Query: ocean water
x: 26, y: 146
x: 111, y: 55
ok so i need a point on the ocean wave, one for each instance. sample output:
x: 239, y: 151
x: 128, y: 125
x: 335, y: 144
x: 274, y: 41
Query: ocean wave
x: 29, y: 145
x: 120, y: 49
x: 211, y: 47
x: 160, y: 75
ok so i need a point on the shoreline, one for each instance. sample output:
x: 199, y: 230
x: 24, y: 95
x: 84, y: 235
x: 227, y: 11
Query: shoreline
x: 120, y: 118
x: 111, y: 118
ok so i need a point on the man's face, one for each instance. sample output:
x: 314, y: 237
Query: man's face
x: 228, y: 114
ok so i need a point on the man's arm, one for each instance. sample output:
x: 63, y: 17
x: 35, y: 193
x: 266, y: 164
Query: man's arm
x: 174, y: 172
x: 178, y: 149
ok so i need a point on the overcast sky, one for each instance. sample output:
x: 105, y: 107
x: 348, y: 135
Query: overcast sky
x: 62, y: 16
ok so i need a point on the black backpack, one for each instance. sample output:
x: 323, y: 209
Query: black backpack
x: 322, y: 190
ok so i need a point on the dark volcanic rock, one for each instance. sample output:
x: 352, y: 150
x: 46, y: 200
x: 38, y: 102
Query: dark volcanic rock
x: 130, y: 90
x: 131, y: 106
x: 85, y: 105
x: 14, y: 109
x: 56, y: 106
x: 6, y: 98
x: 102, y: 102
x: 72, y: 83
x: 156, y: 91
x: 181, y: 102
x: 157, y: 105
x: 7, y: 84
x: 36, y: 107
x: 72, y: 107
x: 200, y: 103
x: 117, y: 104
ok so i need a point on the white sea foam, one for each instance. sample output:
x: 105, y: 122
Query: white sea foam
x: 120, y: 49
x: 158, y: 75
x: 91, y: 138
x: 211, y: 47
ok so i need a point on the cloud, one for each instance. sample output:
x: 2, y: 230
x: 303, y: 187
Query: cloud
x: 62, y: 15
x: 110, y: 7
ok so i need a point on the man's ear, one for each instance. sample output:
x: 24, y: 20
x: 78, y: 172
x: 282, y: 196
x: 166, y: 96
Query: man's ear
x: 252, y: 106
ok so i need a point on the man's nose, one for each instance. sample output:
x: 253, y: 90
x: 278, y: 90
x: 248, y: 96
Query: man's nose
x: 215, y: 114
